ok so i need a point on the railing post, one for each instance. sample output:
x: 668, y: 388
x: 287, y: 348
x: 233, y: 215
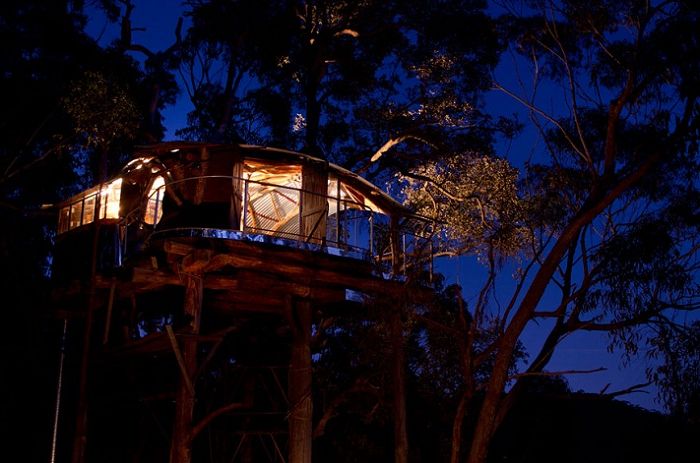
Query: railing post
x: 371, y: 234
x: 155, y: 211
x: 244, y: 218
x: 337, y: 213
x: 300, y: 235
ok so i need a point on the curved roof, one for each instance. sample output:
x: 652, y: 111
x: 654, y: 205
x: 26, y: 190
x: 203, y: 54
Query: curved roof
x: 281, y: 155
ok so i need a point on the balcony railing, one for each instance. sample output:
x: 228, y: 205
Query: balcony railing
x: 279, y: 212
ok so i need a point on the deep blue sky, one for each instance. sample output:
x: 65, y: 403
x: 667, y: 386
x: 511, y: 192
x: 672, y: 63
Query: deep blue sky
x: 581, y: 351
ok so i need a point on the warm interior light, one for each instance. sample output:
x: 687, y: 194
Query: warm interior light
x: 110, y: 196
x: 89, y: 209
x: 76, y: 211
x: 154, y: 206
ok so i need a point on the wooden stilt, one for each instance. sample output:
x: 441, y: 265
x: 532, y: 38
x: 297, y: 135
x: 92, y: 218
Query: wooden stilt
x: 181, y: 445
x: 301, y: 407
x: 399, y: 386
x: 110, y: 308
x: 80, y: 436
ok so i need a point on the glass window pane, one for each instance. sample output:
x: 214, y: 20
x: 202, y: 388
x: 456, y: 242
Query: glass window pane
x: 154, y: 206
x: 63, y: 219
x: 89, y: 210
x: 76, y: 211
x: 110, y: 196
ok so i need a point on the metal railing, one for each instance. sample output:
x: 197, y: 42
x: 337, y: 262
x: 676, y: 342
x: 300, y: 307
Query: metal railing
x: 275, y: 210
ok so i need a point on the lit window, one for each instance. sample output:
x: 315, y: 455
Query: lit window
x: 89, y: 209
x: 64, y: 219
x: 154, y: 206
x: 109, y: 200
x: 76, y: 211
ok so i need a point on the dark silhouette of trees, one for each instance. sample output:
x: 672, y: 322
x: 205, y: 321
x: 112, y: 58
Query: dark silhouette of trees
x: 343, y: 80
x: 64, y: 124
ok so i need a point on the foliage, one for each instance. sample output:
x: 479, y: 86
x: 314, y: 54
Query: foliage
x: 475, y: 198
x: 101, y: 111
x: 679, y: 348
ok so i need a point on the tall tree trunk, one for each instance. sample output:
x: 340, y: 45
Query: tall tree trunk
x: 491, y: 407
x: 457, y: 425
x: 80, y: 436
x: 301, y: 406
x: 181, y: 445
x: 399, y: 386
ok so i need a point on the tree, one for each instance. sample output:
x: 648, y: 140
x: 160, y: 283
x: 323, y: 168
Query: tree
x: 341, y: 80
x: 346, y: 81
x: 597, y: 213
x: 45, y: 157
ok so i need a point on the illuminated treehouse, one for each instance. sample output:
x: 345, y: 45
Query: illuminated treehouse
x: 202, y: 262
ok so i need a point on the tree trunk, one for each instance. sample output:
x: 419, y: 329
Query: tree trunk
x: 80, y: 436
x: 457, y: 429
x: 181, y: 444
x: 399, y: 386
x: 490, y: 408
x: 301, y: 406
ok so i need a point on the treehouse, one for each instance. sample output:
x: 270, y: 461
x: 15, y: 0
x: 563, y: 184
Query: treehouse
x: 234, y: 193
x: 195, y: 246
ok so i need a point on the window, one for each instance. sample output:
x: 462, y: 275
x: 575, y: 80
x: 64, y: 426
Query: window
x: 83, y: 208
x: 89, y: 209
x: 64, y: 219
x: 76, y: 213
x: 154, y: 205
x: 109, y: 200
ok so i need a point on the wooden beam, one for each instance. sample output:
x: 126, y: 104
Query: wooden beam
x: 180, y: 360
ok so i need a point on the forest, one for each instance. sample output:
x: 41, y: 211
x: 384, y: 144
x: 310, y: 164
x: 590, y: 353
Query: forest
x: 590, y: 226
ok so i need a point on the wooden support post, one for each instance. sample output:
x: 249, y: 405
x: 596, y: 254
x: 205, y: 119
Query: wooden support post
x: 399, y: 386
x: 314, y: 202
x: 299, y: 388
x: 110, y: 308
x: 395, y: 245
x: 181, y: 445
x: 237, y: 205
x: 202, y: 182
x: 80, y: 436
x: 398, y: 366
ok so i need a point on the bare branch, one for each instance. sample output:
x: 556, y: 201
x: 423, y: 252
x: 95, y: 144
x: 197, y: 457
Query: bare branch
x: 546, y: 116
x: 204, y: 422
x: 395, y: 141
x: 628, y: 390
x: 557, y: 373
